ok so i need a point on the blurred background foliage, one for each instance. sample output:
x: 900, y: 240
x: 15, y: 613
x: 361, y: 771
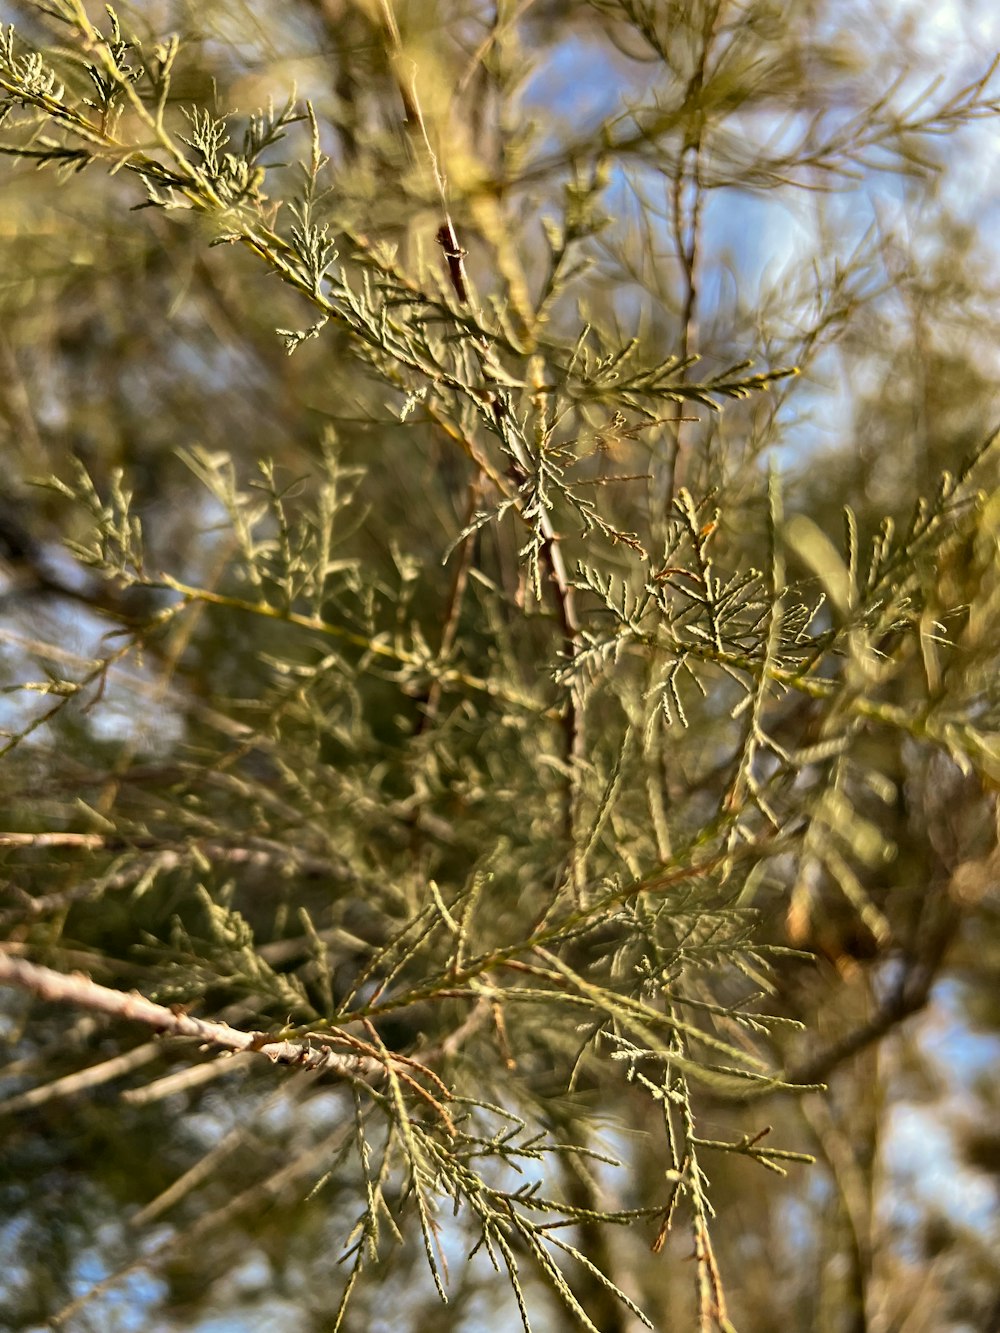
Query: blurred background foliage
x: 260, y: 804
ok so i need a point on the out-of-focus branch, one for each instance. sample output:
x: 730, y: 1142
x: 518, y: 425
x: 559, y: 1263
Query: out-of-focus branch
x: 904, y: 1000
x: 82, y: 1080
x: 564, y: 594
x: 908, y: 995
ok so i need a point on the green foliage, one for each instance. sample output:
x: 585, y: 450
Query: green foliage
x: 521, y: 785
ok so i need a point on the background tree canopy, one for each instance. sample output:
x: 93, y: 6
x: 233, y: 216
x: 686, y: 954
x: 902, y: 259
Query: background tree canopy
x: 499, y: 646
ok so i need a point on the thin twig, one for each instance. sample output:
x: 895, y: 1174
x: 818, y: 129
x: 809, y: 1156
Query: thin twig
x: 459, y: 583
x: 687, y: 197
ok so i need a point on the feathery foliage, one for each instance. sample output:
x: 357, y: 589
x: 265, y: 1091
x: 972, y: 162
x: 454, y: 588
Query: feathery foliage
x: 490, y: 724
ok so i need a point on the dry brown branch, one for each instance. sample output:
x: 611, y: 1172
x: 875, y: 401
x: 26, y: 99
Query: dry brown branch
x: 81, y: 992
x: 90, y: 841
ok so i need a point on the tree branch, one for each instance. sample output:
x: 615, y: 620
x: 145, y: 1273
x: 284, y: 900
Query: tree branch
x: 81, y: 992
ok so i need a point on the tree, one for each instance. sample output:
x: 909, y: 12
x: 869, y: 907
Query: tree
x: 490, y: 757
